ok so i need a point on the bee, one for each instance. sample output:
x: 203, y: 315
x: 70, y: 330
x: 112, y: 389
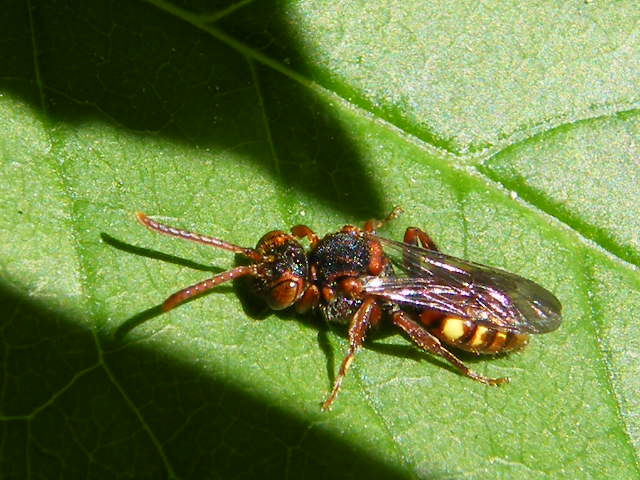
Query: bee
x: 357, y: 278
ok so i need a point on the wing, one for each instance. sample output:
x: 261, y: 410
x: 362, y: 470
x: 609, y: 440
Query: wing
x: 431, y: 280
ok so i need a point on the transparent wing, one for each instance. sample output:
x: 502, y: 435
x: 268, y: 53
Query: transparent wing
x: 431, y: 280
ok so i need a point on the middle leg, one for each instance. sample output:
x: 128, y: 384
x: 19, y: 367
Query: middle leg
x: 372, y: 225
x: 367, y: 315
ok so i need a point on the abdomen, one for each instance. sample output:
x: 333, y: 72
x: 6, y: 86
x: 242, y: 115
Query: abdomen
x: 473, y: 336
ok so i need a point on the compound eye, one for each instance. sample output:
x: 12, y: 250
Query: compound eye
x: 285, y: 293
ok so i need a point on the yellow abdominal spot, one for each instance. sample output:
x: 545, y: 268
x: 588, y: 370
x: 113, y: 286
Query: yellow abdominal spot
x: 478, y: 336
x: 453, y: 328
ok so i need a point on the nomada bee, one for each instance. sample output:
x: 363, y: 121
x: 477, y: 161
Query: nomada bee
x: 357, y: 278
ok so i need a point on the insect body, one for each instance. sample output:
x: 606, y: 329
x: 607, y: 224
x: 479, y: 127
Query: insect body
x: 357, y: 278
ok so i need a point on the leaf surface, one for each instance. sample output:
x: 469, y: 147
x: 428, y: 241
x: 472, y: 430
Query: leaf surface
x: 508, y: 131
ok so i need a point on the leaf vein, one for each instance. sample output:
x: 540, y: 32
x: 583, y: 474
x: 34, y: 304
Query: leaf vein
x: 597, y: 313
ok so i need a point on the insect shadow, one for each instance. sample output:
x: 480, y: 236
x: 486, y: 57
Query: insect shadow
x: 255, y: 309
x: 155, y: 311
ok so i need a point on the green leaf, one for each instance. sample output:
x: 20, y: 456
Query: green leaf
x: 508, y: 130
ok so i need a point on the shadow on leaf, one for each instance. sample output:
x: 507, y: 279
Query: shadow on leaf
x: 132, y: 65
x: 145, y: 414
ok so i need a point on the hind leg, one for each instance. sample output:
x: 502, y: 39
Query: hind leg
x: 426, y: 341
x: 419, y: 238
